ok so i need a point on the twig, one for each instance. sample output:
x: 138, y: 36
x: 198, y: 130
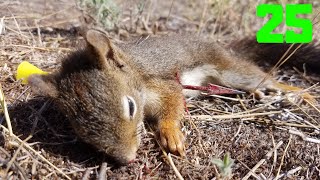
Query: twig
x: 224, y: 97
x: 204, y: 12
x: 232, y: 116
x: 168, y: 156
x: 151, y: 172
x: 13, y: 30
x: 35, y: 123
x: 103, y: 171
x: 267, y: 156
x: 17, y: 24
x: 174, y: 167
x: 282, y: 158
x: 292, y: 171
x: 265, y: 121
x: 238, y: 131
x: 216, y: 172
x: 169, y: 12
x: 55, y: 13
x: 39, y: 48
x: 303, y: 75
x: 49, y: 24
x: 5, y: 110
x: 16, y: 154
x: 37, y: 153
x: 86, y: 175
x: 278, y: 64
x: 307, y: 114
x: 275, y: 155
x: 243, y: 164
x: 303, y: 136
x: 34, y: 167
x: 21, y: 170
x: 22, y: 17
x: 312, y: 105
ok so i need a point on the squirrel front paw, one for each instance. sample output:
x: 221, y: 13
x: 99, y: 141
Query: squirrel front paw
x: 173, y: 140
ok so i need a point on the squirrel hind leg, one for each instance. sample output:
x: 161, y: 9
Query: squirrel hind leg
x: 276, y: 86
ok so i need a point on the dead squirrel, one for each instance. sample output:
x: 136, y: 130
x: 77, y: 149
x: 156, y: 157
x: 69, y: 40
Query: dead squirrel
x: 106, y: 90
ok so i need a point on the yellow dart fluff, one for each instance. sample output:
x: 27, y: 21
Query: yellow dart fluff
x: 25, y: 69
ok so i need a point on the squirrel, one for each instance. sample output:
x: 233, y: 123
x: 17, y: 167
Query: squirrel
x: 107, y: 89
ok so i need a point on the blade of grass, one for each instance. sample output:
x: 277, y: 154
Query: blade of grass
x: 5, y: 111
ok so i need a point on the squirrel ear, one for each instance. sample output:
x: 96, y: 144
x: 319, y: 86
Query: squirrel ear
x: 102, y: 45
x: 99, y: 41
x: 43, y: 85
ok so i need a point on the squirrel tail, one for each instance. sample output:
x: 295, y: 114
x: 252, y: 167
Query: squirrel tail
x: 307, y: 57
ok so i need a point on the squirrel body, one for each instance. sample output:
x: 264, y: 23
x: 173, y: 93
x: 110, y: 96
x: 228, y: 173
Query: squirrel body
x: 108, y: 89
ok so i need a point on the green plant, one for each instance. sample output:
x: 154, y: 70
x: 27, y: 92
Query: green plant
x: 104, y: 11
x: 225, y: 165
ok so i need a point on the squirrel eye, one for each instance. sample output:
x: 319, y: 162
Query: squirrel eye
x: 129, y: 107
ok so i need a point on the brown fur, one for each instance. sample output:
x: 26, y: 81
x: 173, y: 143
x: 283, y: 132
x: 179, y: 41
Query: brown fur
x: 94, y: 87
x: 305, y: 58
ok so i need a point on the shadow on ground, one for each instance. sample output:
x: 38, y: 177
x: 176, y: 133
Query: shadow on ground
x: 51, y: 131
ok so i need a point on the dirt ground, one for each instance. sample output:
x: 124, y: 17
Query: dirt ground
x: 268, y: 139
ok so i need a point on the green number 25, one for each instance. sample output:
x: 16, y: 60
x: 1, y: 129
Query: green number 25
x: 265, y: 35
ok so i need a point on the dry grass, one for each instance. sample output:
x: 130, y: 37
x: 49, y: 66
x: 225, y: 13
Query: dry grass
x: 276, y: 138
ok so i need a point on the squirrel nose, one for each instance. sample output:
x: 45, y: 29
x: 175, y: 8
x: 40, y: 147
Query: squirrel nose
x: 123, y: 156
x: 125, y: 159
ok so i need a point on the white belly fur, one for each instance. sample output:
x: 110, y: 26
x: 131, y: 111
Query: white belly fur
x: 196, y: 77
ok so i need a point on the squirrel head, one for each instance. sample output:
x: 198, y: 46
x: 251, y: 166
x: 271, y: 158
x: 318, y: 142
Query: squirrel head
x: 101, y: 94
